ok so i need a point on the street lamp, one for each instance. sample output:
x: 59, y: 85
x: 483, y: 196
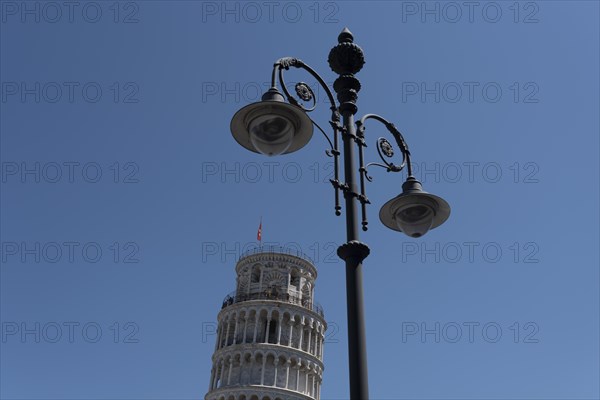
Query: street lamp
x: 273, y: 126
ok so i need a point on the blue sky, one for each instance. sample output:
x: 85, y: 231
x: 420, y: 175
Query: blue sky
x: 125, y: 201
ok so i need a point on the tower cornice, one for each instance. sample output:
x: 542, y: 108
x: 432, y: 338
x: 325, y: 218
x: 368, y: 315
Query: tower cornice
x: 298, y: 260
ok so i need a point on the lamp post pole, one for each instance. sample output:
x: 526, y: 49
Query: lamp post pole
x: 346, y: 59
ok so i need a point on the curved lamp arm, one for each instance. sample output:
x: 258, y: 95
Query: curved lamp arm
x: 305, y: 93
x: 384, y: 148
x: 286, y: 63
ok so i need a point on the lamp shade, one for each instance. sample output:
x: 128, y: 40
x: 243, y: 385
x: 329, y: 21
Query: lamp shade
x: 414, y: 211
x: 272, y: 126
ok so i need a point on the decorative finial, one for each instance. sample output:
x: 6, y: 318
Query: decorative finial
x: 345, y: 36
x: 346, y: 57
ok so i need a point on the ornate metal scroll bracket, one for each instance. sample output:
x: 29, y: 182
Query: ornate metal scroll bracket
x: 305, y: 93
x: 385, y: 149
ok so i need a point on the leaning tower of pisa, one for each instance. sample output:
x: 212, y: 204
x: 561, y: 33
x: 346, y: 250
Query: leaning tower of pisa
x: 270, y: 331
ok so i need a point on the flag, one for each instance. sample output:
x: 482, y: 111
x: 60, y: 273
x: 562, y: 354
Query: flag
x: 259, y: 233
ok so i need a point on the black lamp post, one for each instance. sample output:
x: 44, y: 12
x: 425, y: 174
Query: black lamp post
x: 274, y: 127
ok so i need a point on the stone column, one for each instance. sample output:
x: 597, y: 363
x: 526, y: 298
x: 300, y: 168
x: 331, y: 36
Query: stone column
x: 216, y: 377
x: 245, y: 327
x: 256, y: 319
x: 306, y: 381
x: 279, y: 329
x: 301, y: 333
x: 267, y: 328
x: 222, y: 363
x: 212, y: 379
x: 291, y: 323
x: 235, y: 330
x: 287, y: 373
x: 321, y: 339
x: 275, y: 363
x: 241, y: 369
x: 229, y: 373
x: 318, y: 393
x: 227, y: 334
x: 219, y: 332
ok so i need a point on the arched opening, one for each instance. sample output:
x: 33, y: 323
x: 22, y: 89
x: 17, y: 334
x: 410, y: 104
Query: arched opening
x: 230, y: 334
x: 269, y: 375
x: 244, y: 369
x: 257, y: 370
x: 255, y: 275
x: 242, y: 324
x: 282, y: 372
x: 273, y: 328
x: 261, y: 326
x: 295, y: 280
x: 218, y: 382
x: 305, y: 339
x: 306, y: 295
x: 250, y: 326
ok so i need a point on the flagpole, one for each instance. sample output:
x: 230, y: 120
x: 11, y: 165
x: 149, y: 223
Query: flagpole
x: 259, y: 234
